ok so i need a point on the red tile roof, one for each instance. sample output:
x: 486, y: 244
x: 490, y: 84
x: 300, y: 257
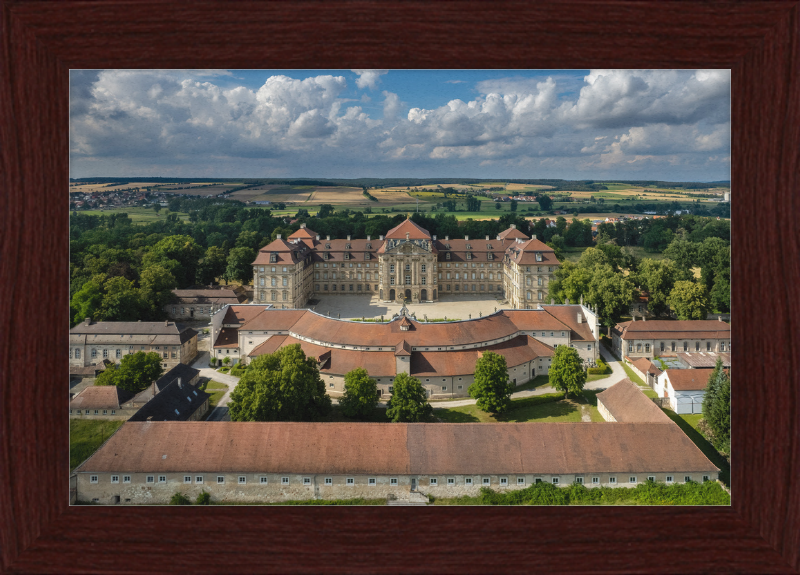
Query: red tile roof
x: 644, y: 365
x: 228, y: 337
x: 512, y: 234
x: 689, y: 379
x: 568, y: 315
x: 525, y: 253
x: 397, y: 448
x: 100, y: 397
x: 668, y: 329
x: 414, y: 231
x: 626, y: 402
x: 517, y: 351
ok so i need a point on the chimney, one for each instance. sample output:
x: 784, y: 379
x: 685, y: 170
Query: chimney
x: 487, y: 238
x: 327, y: 238
x: 580, y: 318
x: 348, y: 237
x: 279, y: 236
x: 180, y: 385
x: 166, y: 323
x: 447, y: 238
x: 317, y: 237
x: 719, y: 317
x: 369, y: 238
x: 566, y: 301
x: 380, y: 237
x: 634, y: 318
x: 139, y: 321
x: 434, y: 238
x: 466, y: 238
x: 513, y: 226
x: 644, y: 317
x: 302, y: 226
x: 534, y: 236
x: 88, y: 321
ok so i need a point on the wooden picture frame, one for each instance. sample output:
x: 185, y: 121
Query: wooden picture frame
x: 760, y: 43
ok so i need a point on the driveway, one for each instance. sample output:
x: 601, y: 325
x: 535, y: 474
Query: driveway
x: 220, y: 412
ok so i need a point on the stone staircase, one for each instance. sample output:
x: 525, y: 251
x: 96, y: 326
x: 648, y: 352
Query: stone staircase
x: 410, y: 498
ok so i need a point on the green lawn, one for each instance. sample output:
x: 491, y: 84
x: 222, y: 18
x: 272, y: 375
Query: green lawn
x: 538, y: 381
x: 216, y: 390
x: 86, y: 436
x: 336, y: 415
x: 541, y: 408
x: 632, y: 376
x: 688, y: 423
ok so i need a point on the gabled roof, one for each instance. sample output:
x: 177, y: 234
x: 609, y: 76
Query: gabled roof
x: 403, y: 449
x: 414, y: 231
x: 100, y: 397
x: 645, y: 365
x: 704, y: 359
x: 174, y: 403
x: 688, y: 379
x: 512, y: 233
x: 402, y: 348
x: 525, y: 253
x: 303, y: 233
x: 672, y: 329
x: 284, y: 252
x: 625, y: 401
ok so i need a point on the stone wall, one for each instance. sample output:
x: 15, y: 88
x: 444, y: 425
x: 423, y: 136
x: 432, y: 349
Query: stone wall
x: 604, y: 412
x: 138, y: 491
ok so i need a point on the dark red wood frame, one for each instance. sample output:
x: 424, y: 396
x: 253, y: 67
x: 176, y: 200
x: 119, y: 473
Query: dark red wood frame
x: 41, y: 41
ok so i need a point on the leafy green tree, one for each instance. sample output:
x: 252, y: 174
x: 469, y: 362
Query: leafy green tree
x: 325, y: 210
x: 240, y: 264
x: 717, y: 406
x: 281, y: 386
x: 491, y: 387
x: 689, y: 300
x: 576, y: 284
x: 473, y: 204
x: 88, y: 301
x: 156, y: 208
x: 592, y: 257
x: 566, y: 372
x: 611, y: 292
x: 658, y: 277
x: 557, y: 243
x: 180, y: 249
x: 249, y: 240
x: 122, y: 301
x: 211, y: 266
x: 514, y: 204
x: 360, y: 394
x: 721, y: 292
x: 156, y: 288
x: 498, y: 206
x: 579, y: 233
x: 613, y: 253
x: 409, y: 402
x: 545, y: 203
x: 134, y: 373
x: 683, y: 252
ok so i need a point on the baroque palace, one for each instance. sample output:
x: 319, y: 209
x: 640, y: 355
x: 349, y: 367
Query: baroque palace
x: 408, y: 264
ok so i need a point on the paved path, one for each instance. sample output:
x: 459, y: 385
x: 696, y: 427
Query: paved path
x: 220, y: 412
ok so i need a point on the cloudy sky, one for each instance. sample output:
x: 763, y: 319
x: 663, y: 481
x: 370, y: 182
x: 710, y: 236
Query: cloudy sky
x: 573, y: 124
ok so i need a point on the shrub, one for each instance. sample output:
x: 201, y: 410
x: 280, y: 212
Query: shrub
x: 204, y: 498
x: 238, y: 370
x: 179, y: 499
x: 602, y: 368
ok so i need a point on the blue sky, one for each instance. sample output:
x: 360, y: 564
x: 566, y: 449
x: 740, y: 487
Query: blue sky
x: 571, y: 124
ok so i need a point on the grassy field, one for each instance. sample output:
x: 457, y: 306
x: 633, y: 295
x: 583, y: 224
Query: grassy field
x: 86, y: 436
x: 137, y: 215
x: 216, y: 390
x: 550, y: 407
x: 688, y: 424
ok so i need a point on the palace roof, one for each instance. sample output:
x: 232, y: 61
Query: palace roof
x: 408, y: 230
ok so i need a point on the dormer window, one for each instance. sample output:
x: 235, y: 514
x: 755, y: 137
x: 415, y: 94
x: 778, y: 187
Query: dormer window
x: 469, y: 255
x: 347, y: 246
x: 447, y: 256
x: 369, y: 246
x: 469, y: 247
x: 538, y: 257
x: 327, y: 246
x: 325, y: 255
x: 273, y: 258
x: 447, y: 246
x: 347, y: 255
x: 366, y: 255
x: 490, y: 255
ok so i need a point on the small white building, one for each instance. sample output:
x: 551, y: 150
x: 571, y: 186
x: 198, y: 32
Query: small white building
x: 685, y: 388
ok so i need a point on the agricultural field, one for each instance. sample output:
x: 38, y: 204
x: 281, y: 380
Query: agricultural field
x: 274, y: 193
x: 136, y: 214
x: 194, y: 188
x: 92, y: 188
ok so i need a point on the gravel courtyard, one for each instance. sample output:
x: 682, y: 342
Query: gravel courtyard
x: 452, y: 307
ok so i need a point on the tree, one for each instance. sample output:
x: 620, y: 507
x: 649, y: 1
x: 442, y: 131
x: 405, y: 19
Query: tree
x: 545, y: 203
x: 566, y: 372
x: 514, y: 204
x: 156, y: 288
x: 409, y: 402
x: 717, y: 407
x: 249, y: 240
x: 611, y: 292
x: 240, y: 264
x: 325, y: 210
x: 658, y: 277
x: 211, y: 266
x: 134, y: 373
x: 498, y: 206
x: 121, y: 302
x: 473, y: 204
x: 281, y: 386
x: 683, y: 252
x: 360, y: 394
x: 88, y: 300
x: 689, y: 300
x: 491, y: 387
x: 156, y: 208
x: 721, y: 292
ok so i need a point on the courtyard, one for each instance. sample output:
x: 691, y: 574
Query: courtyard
x: 371, y: 307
